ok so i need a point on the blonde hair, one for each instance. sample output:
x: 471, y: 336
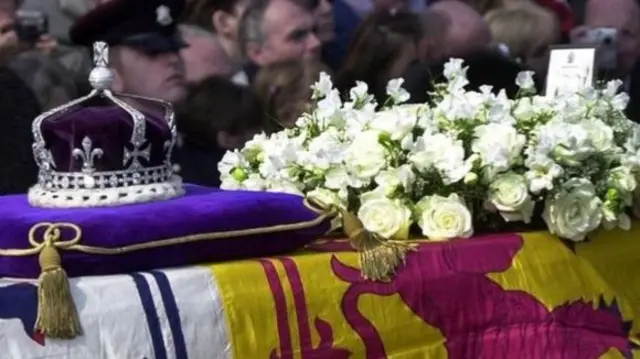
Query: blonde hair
x: 523, y: 27
x: 285, y: 89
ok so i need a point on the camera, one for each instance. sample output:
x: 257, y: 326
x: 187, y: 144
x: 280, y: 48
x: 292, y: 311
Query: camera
x: 31, y: 25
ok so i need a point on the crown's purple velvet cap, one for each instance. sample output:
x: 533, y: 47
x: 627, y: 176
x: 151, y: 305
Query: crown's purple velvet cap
x: 200, y: 210
x: 109, y: 129
x: 131, y: 23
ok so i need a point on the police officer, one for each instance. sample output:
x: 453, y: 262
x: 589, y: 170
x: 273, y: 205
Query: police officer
x: 144, y: 45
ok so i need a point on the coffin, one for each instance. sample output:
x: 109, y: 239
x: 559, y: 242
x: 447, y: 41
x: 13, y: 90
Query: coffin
x: 497, y: 296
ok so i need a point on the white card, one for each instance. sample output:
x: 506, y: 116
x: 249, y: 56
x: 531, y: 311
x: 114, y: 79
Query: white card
x: 570, y: 69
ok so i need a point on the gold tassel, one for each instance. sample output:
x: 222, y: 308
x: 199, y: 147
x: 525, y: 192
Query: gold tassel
x: 57, y: 315
x: 379, y: 257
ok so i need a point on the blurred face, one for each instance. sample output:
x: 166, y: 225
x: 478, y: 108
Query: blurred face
x: 226, y: 24
x: 159, y: 76
x: 203, y: 58
x: 290, y: 35
x: 623, y: 15
x: 7, y: 12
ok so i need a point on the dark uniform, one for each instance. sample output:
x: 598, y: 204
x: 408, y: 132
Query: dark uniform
x: 149, y: 26
x: 146, y: 25
x: 18, y: 107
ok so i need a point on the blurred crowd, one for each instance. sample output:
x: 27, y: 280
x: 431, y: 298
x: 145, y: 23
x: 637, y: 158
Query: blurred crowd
x: 247, y: 65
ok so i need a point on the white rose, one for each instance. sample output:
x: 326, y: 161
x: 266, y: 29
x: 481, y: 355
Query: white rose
x: 389, y: 218
x: 325, y: 196
x: 443, y: 218
x: 366, y: 157
x: 509, y: 195
x: 575, y: 211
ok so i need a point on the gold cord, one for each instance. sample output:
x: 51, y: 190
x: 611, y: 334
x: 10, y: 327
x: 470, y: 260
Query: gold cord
x: 52, y: 236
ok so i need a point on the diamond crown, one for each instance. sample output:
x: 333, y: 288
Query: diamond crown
x: 55, y: 184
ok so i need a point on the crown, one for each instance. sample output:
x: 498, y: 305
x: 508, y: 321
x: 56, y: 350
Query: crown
x: 104, y: 156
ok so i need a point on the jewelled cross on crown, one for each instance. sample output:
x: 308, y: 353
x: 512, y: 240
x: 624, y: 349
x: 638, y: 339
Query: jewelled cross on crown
x: 101, y: 77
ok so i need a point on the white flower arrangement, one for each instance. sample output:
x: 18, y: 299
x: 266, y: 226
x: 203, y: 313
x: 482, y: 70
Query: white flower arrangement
x: 469, y: 159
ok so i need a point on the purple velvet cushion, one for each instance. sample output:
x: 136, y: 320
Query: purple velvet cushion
x: 201, y: 210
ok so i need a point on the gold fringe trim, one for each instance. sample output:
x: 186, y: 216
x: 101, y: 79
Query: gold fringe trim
x: 379, y: 257
x: 72, y: 245
x: 57, y: 315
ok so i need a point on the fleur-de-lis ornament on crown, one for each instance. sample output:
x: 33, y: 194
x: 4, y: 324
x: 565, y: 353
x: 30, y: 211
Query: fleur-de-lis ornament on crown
x: 136, y: 169
x: 87, y: 155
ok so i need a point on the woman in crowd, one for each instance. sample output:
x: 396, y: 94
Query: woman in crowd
x: 382, y: 49
x: 285, y: 90
x: 217, y: 116
x: 527, y: 30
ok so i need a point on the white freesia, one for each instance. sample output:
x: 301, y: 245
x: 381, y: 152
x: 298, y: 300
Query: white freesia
x: 491, y: 153
x: 396, y: 92
x: 366, y: 156
x: 600, y: 135
x: 389, y: 218
x: 509, y: 195
x: 543, y: 172
x: 397, y: 122
x: 395, y: 178
x: 443, y: 153
x: 442, y: 218
x: 524, y: 80
x: 623, y: 179
x: 254, y: 182
x: 323, y: 86
x: 574, y: 211
x: 499, y: 146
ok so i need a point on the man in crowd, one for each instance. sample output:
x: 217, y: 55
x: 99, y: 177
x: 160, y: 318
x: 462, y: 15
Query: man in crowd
x: 205, y: 56
x: 277, y: 30
x: 53, y: 71
x: 222, y: 18
x: 624, y: 16
x: 454, y: 29
x: 465, y: 30
x: 144, y: 45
